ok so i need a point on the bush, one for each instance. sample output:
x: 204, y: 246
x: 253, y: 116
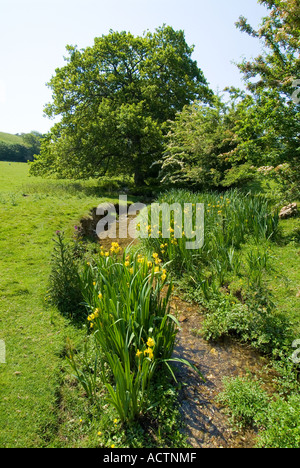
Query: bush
x: 257, y: 324
x: 281, y: 423
x: 246, y: 400
x: 64, y: 284
x: 249, y: 405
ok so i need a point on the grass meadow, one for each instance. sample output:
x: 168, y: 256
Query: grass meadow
x: 31, y: 210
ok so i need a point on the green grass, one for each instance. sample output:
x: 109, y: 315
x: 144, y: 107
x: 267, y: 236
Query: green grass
x: 10, y: 139
x: 35, y: 334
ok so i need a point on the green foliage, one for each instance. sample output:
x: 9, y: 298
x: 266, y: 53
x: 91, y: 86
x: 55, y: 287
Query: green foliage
x: 114, y: 99
x: 276, y: 109
x: 194, y: 146
x: 133, y: 330
x: 19, y: 148
x: 64, y: 285
x: 253, y: 322
x: 226, y: 143
x: 246, y: 400
x: 277, y: 418
x: 281, y: 423
x: 230, y: 219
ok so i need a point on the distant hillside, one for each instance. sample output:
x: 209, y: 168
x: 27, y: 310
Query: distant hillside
x: 19, y: 148
x: 10, y: 139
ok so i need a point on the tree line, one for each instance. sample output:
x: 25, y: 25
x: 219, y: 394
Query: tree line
x: 141, y: 106
x: 30, y: 145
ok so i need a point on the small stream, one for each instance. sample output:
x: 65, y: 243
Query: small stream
x: 207, y: 425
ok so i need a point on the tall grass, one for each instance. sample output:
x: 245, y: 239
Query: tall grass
x: 230, y: 220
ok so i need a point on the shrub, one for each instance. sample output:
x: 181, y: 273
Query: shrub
x: 281, y: 424
x: 64, y: 284
x: 245, y: 399
x: 253, y: 322
x: 249, y: 405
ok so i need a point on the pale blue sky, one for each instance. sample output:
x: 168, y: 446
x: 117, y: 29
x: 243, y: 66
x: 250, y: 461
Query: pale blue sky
x: 34, y: 33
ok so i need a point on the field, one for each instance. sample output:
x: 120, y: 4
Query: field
x: 41, y: 405
x: 10, y: 139
x: 34, y: 333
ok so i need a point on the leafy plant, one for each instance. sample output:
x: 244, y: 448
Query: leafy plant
x: 127, y: 300
x: 64, y: 290
x: 246, y: 400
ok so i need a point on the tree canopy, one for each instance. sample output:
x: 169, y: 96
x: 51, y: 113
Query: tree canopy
x: 114, y: 100
x: 226, y: 143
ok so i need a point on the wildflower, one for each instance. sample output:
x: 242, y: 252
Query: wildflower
x: 164, y: 277
x: 139, y: 353
x: 155, y: 255
x: 156, y: 270
x: 94, y: 284
x: 99, y: 434
x: 150, y: 264
x: 127, y: 263
x: 149, y: 351
x: 106, y: 254
x: 91, y: 325
x: 100, y: 296
x: 131, y: 271
x: 150, y: 343
x: 113, y: 446
x: 115, y: 421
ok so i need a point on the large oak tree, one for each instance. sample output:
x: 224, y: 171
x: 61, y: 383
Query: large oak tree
x: 114, y: 100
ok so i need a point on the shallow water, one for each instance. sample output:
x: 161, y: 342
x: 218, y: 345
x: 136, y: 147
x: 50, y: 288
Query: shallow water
x: 206, y: 422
